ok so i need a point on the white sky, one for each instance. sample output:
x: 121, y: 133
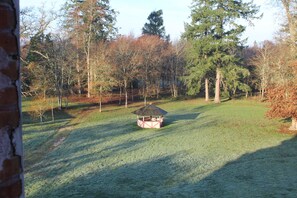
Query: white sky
x: 133, y: 15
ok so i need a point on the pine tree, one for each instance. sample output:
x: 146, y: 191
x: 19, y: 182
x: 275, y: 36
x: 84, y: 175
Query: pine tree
x: 155, y: 25
x: 214, y: 36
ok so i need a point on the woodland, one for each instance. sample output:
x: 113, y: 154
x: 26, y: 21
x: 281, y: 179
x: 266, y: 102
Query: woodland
x: 86, y: 57
x: 231, y: 125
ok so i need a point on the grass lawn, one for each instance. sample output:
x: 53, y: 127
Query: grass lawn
x: 204, y: 150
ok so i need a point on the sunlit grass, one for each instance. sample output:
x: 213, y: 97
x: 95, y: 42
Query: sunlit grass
x: 204, y: 150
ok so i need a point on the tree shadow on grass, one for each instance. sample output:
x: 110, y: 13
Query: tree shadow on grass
x: 90, y: 163
x: 73, y: 155
x: 58, y: 116
x: 269, y: 172
x: 171, y: 119
x: 79, y: 106
x: 87, y: 137
x: 191, y: 115
x: 140, y: 179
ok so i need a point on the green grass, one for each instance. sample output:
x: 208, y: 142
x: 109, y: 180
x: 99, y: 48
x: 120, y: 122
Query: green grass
x: 39, y: 138
x: 204, y: 150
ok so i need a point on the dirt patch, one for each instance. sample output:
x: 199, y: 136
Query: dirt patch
x: 58, y: 142
x: 64, y: 131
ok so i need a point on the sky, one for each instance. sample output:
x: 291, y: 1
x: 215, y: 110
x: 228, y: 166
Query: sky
x: 133, y: 15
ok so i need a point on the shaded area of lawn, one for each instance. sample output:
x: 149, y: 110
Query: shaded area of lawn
x: 270, y: 172
x: 227, y: 150
x: 39, y: 137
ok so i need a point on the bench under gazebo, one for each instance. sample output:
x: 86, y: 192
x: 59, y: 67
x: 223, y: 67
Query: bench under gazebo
x: 150, y: 116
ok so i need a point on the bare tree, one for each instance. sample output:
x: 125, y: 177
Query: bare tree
x: 175, y: 66
x: 150, y: 60
x: 36, y: 22
x: 263, y: 63
x: 103, y: 79
x: 123, y: 57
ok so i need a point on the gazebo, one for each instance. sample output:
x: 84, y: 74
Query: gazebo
x: 150, y: 116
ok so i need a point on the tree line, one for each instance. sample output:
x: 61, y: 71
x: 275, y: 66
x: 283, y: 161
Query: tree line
x: 88, y: 56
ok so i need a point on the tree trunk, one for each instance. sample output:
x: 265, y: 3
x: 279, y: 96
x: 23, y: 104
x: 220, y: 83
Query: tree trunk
x: 233, y: 94
x: 120, y: 99
x: 291, y: 22
x: 40, y: 114
x: 175, y: 91
x: 132, y: 92
x: 217, y: 90
x: 66, y: 102
x: 87, y: 51
x: 53, y: 117
x: 262, y: 93
x: 206, y: 90
x: 61, y: 86
x: 126, y: 93
x: 158, y: 89
x: 60, y: 101
x: 100, y: 104
x: 100, y: 99
x: 89, y: 75
x: 44, y: 94
x: 144, y: 101
x: 144, y: 93
x: 294, y: 124
x: 78, y: 79
x: 77, y: 60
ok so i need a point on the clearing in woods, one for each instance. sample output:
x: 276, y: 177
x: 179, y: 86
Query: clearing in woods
x: 204, y: 150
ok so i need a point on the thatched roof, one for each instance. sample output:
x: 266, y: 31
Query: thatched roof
x: 150, y: 110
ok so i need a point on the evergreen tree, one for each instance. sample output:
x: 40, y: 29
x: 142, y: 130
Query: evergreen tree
x: 155, y: 25
x: 94, y: 18
x: 37, y: 44
x: 214, y: 37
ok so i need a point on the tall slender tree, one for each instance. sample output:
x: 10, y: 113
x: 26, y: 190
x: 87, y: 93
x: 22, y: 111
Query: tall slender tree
x: 214, y: 34
x: 92, y: 20
x: 174, y: 66
x: 290, y: 8
x: 103, y: 79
